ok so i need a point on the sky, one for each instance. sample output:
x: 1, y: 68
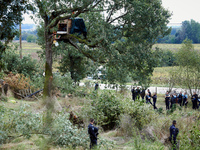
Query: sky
x: 181, y: 10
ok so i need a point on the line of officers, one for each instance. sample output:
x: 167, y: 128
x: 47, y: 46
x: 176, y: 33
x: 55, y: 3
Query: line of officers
x: 137, y: 93
x: 181, y: 99
x: 170, y: 99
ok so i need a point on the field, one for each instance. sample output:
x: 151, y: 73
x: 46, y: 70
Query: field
x: 174, y: 47
x: 29, y: 49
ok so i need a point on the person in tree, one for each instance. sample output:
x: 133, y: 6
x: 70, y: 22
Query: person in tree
x: 93, y: 133
x: 96, y: 86
x: 154, y: 100
x: 167, y: 99
x: 137, y: 93
x: 185, y: 99
x: 133, y: 93
x: 180, y: 98
x: 173, y: 134
x: 194, y: 100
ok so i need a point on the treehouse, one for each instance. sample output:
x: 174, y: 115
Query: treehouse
x: 69, y: 26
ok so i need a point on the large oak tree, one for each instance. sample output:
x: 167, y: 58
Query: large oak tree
x: 120, y: 32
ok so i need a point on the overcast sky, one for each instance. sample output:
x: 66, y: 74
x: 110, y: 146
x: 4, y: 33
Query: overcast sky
x: 181, y: 10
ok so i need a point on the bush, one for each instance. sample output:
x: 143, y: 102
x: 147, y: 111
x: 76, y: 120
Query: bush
x: 13, y: 63
x: 141, y: 113
x: 18, y: 123
x: 17, y: 82
x: 4, y: 98
x: 104, y: 108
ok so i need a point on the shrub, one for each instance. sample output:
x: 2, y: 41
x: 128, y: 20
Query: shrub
x: 104, y: 108
x: 13, y: 63
x: 17, y: 82
x: 4, y: 98
x: 18, y: 123
x: 141, y: 113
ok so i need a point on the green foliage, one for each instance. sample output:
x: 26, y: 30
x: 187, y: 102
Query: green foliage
x: 17, y: 123
x: 189, y: 30
x: 4, y: 98
x: 73, y: 62
x: 167, y: 58
x: 104, y: 108
x: 64, y: 134
x: 187, y: 74
x: 142, y: 114
x: 10, y: 16
x: 31, y: 38
x: 13, y: 63
x: 64, y: 83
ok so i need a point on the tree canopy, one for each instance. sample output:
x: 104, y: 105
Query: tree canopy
x: 10, y: 15
x: 120, y: 34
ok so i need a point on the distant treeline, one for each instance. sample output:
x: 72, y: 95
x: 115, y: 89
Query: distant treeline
x: 188, y: 30
x: 29, y: 36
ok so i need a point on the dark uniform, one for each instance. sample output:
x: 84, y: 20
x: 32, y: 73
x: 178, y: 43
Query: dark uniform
x: 137, y: 93
x: 142, y: 94
x: 167, y: 98
x: 133, y: 94
x: 180, y: 99
x: 148, y: 99
x: 173, y: 134
x: 154, y: 101
x: 185, y: 102
x: 93, y: 132
x: 96, y: 86
x: 194, y: 101
x: 173, y: 100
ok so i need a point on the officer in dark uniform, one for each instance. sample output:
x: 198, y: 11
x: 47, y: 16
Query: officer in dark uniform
x: 167, y: 98
x: 173, y: 100
x: 154, y: 100
x: 93, y: 132
x: 194, y: 100
x: 96, y: 86
x: 133, y: 93
x: 173, y: 134
x: 149, y: 92
x: 142, y: 94
x: 137, y: 93
x: 180, y: 98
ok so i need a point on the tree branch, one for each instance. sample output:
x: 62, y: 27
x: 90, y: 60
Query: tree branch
x: 118, y: 18
x: 84, y: 53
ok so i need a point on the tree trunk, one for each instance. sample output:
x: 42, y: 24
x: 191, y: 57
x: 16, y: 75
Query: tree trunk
x: 48, y: 64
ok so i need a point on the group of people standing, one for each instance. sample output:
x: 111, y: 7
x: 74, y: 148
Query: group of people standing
x: 181, y: 99
x: 137, y: 93
x: 170, y: 99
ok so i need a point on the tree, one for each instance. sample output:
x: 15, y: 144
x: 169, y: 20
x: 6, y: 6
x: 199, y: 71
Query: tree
x: 10, y: 15
x: 141, y: 22
x: 189, y: 30
x: 188, y: 71
x: 74, y: 62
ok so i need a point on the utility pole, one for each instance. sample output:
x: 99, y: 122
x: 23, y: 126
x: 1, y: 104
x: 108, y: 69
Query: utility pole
x: 20, y: 39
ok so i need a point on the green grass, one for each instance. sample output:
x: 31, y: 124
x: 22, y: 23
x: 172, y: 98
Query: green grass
x: 29, y: 49
x: 174, y: 47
